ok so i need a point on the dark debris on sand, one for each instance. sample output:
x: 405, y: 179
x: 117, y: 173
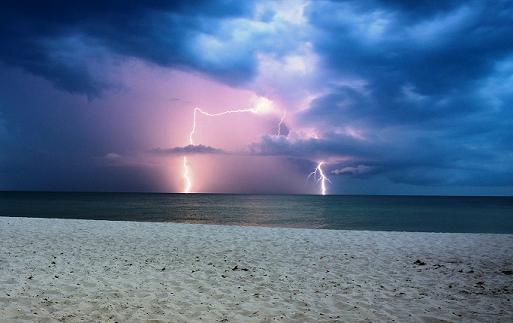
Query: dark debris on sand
x: 419, y: 263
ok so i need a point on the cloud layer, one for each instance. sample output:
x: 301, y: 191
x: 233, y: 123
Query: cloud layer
x: 399, y: 95
x: 188, y: 150
x: 60, y: 40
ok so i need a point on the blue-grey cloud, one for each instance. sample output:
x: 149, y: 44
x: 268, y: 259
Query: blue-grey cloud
x: 428, y: 85
x: 416, y: 92
x: 35, y: 34
x: 189, y: 150
x: 435, y: 52
x: 406, y: 155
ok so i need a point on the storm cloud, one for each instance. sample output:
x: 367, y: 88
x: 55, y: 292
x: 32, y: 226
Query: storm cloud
x: 188, y: 150
x: 428, y: 86
x: 59, y: 39
x: 393, y: 94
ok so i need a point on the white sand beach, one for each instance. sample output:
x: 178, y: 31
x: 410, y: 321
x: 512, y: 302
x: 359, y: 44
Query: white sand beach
x: 76, y: 270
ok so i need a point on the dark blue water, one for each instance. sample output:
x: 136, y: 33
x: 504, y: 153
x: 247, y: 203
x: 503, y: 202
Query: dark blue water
x: 390, y: 213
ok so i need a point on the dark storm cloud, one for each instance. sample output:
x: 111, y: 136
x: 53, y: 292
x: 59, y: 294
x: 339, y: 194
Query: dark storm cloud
x: 427, y: 84
x: 436, y: 52
x: 417, y: 92
x: 414, y: 63
x: 35, y: 36
x: 411, y: 70
x: 433, y: 158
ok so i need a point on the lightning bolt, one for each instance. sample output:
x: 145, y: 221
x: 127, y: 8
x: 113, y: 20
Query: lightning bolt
x: 259, y: 109
x: 318, y: 174
x: 198, y: 110
x: 281, y: 122
x: 186, y: 177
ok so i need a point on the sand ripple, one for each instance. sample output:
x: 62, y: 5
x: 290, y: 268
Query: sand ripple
x: 73, y: 270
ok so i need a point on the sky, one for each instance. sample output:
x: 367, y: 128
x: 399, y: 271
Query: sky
x: 393, y: 97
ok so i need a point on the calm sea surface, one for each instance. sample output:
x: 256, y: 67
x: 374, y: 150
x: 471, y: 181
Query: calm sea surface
x: 390, y: 213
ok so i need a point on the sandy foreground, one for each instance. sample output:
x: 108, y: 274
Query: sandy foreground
x: 73, y: 270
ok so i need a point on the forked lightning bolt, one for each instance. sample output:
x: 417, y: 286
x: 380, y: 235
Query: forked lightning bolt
x: 318, y: 174
x: 186, y: 172
x: 198, y: 110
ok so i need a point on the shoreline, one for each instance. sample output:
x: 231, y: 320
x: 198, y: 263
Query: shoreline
x: 67, y: 269
x: 249, y: 226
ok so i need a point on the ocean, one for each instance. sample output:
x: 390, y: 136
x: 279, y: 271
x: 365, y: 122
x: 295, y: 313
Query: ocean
x: 339, y: 212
